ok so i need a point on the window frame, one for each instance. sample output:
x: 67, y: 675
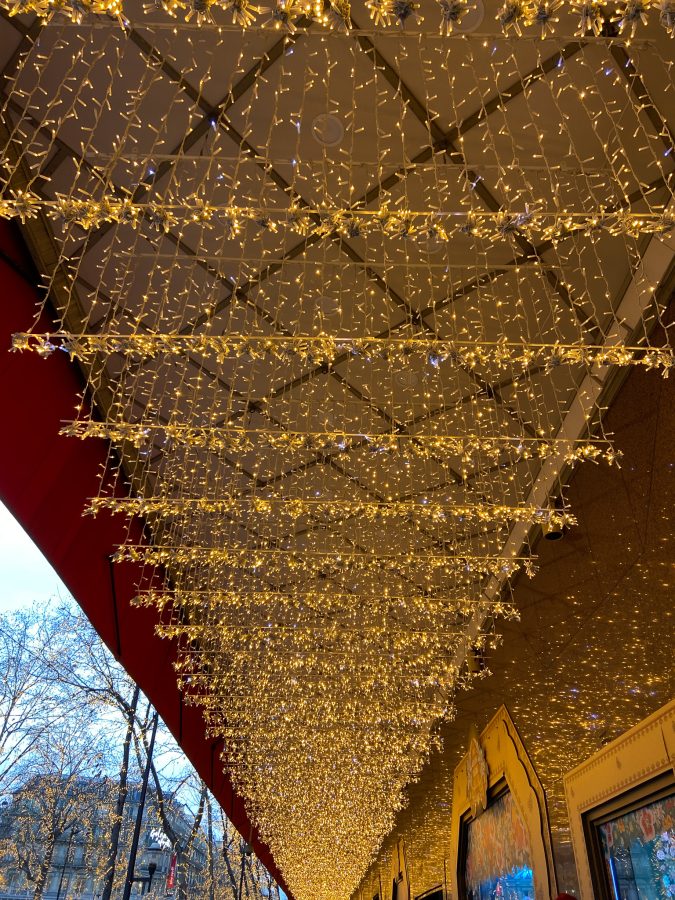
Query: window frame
x: 634, y: 798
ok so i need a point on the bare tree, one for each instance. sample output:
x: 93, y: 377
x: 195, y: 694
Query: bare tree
x: 165, y: 803
x: 29, y: 705
x: 121, y: 799
x: 92, y: 672
x: 210, y: 848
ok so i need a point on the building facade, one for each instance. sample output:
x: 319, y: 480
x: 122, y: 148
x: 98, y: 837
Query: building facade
x: 79, y: 843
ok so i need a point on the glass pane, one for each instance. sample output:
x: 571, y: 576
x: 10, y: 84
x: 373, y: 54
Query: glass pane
x: 498, y: 854
x: 639, y: 852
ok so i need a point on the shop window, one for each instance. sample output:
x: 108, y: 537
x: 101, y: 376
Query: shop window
x: 496, y: 858
x: 631, y: 843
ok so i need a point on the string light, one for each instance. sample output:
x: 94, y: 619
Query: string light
x: 240, y: 440
x: 334, y: 330
x: 406, y: 224
x: 514, y: 14
x: 326, y: 349
x: 297, y: 508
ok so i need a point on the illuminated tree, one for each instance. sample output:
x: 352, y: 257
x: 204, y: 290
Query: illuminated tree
x: 62, y: 795
x: 91, y: 671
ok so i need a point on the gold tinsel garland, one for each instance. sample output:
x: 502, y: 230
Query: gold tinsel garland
x: 295, y: 507
x: 326, y: 349
x: 513, y: 17
x: 426, y: 225
x: 236, y: 439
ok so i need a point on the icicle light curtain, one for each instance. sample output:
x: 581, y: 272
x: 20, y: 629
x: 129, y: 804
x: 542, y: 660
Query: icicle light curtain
x: 345, y: 297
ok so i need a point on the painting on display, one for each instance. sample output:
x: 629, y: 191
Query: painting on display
x: 639, y: 852
x: 501, y: 843
x: 498, y: 856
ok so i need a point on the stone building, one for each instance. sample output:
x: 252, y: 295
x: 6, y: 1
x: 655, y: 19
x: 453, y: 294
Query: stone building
x: 80, y: 848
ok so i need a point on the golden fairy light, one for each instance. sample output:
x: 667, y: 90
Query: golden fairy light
x: 344, y: 339
x: 514, y: 15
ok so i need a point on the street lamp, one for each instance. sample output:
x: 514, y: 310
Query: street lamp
x: 159, y: 846
x: 152, y: 868
x: 146, y: 880
x: 154, y: 856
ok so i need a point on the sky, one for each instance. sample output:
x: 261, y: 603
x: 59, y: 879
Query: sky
x: 25, y: 575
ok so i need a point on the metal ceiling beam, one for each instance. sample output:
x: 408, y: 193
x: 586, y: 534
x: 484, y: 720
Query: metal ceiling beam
x: 540, y: 249
x: 63, y: 150
x: 438, y: 136
x: 417, y: 108
x: 240, y: 141
x: 210, y: 112
x: 448, y: 141
x: 440, y: 145
x: 647, y: 105
x: 441, y: 141
x: 326, y: 457
x: 239, y: 89
x: 284, y: 388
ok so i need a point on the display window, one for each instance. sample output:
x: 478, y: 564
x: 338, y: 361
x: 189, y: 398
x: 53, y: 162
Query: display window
x: 497, y: 854
x: 501, y: 844
x: 632, y: 844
